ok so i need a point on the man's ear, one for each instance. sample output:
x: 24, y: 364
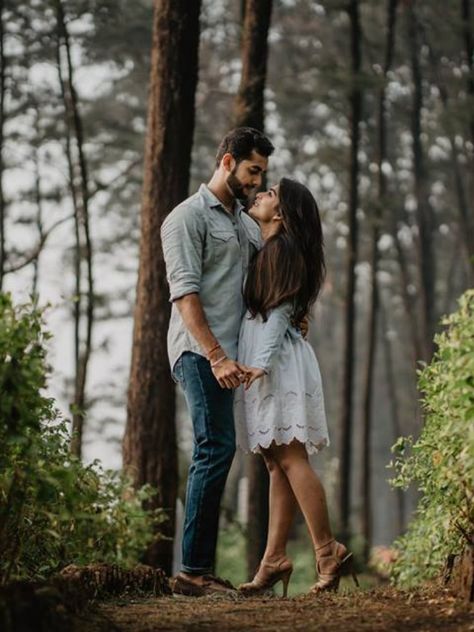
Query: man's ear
x: 228, y: 162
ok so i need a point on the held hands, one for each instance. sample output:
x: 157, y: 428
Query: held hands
x: 231, y: 374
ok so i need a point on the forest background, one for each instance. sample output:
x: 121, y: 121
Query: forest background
x: 73, y: 99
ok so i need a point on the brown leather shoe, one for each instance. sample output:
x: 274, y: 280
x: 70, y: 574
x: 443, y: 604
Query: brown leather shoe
x: 201, y: 585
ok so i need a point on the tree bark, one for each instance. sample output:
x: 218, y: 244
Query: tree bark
x: 249, y: 110
x: 381, y: 203
x: 149, y: 445
x: 2, y: 127
x: 249, y: 107
x: 349, y: 326
x: 424, y: 212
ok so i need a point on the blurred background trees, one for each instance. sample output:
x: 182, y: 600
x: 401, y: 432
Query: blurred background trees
x: 368, y: 103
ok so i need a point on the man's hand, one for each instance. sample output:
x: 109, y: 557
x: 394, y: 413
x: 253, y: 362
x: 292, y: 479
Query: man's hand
x: 229, y: 373
x: 252, y: 374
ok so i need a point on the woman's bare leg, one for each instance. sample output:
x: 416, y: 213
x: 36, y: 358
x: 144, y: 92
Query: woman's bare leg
x: 307, y: 488
x: 282, y: 509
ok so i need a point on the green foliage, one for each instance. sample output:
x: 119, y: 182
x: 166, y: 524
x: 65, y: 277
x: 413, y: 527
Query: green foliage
x: 441, y: 461
x: 53, y: 509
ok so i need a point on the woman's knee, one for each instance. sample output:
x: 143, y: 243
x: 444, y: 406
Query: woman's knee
x: 290, y: 456
x: 270, y: 461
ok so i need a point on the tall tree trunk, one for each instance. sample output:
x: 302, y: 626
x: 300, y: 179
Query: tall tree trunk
x: 2, y: 140
x: 249, y: 111
x: 249, y: 103
x: 393, y: 403
x: 347, y: 415
x: 74, y: 123
x: 149, y: 446
x: 424, y: 212
x: 39, y: 208
x: 369, y: 385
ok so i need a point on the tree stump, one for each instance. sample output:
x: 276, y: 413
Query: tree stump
x: 56, y: 604
x: 459, y: 573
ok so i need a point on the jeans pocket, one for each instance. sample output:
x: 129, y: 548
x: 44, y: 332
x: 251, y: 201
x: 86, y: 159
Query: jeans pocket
x: 178, y: 371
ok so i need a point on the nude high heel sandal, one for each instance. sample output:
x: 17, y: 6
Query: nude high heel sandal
x: 338, y: 563
x: 268, y: 574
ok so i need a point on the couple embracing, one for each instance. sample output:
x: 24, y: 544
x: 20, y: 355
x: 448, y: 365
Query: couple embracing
x: 241, y: 286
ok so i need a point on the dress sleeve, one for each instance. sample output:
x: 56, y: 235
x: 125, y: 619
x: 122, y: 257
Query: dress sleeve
x: 273, y: 332
x: 182, y: 237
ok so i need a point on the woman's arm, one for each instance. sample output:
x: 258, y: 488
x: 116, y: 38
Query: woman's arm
x: 271, y: 337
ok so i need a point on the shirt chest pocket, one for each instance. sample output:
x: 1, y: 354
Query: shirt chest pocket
x: 224, y: 245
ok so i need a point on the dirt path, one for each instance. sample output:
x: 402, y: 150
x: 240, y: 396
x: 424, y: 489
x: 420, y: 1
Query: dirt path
x: 378, y: 609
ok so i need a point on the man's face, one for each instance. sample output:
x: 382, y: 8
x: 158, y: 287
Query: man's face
x: 246, y: 177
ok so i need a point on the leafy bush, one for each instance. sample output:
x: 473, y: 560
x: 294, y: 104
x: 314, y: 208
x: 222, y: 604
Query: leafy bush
x: 441, y: 460
x: 53, y: 509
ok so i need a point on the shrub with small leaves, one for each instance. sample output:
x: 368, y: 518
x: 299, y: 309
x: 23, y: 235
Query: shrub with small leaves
x: 53, y: 509
x: 441, y: 461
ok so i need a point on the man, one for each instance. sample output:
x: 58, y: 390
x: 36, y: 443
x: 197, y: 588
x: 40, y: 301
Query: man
x: 208, y: 241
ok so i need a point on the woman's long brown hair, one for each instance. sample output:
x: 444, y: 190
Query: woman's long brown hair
x: 290, y: 266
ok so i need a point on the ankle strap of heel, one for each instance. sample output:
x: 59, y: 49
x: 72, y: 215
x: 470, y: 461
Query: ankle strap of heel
x: 324, y: 545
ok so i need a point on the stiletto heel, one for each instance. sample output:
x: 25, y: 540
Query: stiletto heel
x: 332, y: 567
x: 285, y: 580
x: 267, y: 575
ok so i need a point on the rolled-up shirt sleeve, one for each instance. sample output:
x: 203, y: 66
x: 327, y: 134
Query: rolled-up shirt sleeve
x: 182, y: 237
x: 274, y: 331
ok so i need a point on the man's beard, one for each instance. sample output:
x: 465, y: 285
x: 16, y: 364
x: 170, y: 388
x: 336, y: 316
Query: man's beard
x: 236, y: 187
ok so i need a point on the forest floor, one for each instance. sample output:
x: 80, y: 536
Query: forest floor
x: 381, y: 608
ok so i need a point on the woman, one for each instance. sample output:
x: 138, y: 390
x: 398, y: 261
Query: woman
x: 279, y: 409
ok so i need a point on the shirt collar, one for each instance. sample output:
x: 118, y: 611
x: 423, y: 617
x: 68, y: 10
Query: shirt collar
x: 214, y: 202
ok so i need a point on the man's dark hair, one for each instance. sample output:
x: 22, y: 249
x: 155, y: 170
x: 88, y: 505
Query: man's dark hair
x: 241, y: 142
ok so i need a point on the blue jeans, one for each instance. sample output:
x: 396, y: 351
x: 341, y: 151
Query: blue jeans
x: 211, y: 410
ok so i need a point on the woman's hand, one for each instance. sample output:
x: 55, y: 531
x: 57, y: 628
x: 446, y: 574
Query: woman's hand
x: 252, y: 374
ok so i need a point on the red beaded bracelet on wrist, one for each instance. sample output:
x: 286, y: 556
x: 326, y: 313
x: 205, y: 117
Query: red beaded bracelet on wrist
x: 217, y: 346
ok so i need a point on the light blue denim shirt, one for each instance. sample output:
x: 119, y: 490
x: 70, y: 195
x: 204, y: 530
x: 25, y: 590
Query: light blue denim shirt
x: 207, y: 250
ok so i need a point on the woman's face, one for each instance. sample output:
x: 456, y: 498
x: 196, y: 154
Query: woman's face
x: 265, y: 209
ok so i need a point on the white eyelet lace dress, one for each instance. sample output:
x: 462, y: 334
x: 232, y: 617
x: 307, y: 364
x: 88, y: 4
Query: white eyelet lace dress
x: 287, y: 403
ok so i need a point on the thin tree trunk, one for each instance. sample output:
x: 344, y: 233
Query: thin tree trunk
x: 75, y: 204
x: 369, y: 385
x: 85, y: 250
x: 393, y: 403
x: 424, y: 212
x: 39, y: 210
x: 249, y: 111
x: 149, y: 445
x: 347, y: 415
x: 2, y: 140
